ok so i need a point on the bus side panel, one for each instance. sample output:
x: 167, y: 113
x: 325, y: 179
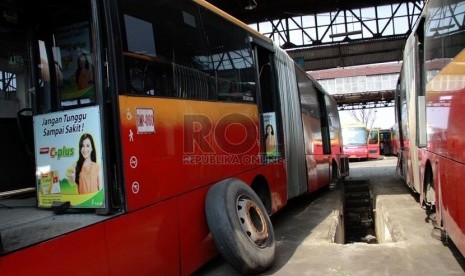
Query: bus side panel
x: 373, y: 144
x: 445, y: 104
x: 83, y: 252
x: 341, y: 159
x: 451, y: 206
x: 323, y: 171
x: 275, y: 175
x: 408, y: 118
x: 197, y: 246
x: 373, y: 151
x: 356, y: 152
x: 145, y: 241
x: 445, y: 111
x: 317, y: 162
x: 182, y: 152
x: 311, y: 128
x: 335, y: 134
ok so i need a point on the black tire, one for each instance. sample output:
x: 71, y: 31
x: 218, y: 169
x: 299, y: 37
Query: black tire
x: 240, y: 226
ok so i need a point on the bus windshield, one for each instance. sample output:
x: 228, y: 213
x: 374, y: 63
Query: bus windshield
x: 354, y: 136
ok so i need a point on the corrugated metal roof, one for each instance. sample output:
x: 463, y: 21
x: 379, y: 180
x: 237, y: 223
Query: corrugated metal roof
x: 318, y: 57
x: 361, y: 70
x: 351, y: 54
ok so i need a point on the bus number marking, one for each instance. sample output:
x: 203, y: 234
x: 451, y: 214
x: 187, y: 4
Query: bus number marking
x: 145, y: 120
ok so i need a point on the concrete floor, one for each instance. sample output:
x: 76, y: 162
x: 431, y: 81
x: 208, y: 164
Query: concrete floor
x: 307, y: 228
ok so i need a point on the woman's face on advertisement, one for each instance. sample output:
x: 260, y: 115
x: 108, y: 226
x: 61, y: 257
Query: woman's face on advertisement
x: 86, y: 148
x: 268, y: 129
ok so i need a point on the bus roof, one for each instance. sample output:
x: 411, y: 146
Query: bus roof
x: 232, y: 19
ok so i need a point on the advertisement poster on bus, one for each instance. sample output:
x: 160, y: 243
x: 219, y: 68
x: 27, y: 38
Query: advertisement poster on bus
x: 271, y: 142
x: 72, y: 53
x: 69, y: 158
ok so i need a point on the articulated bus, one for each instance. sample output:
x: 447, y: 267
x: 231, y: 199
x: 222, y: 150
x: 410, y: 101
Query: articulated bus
x: 430, y: 103
x: 355, y: 141
x: 148, y: 136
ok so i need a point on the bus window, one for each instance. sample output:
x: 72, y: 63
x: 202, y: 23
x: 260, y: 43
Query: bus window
x: 166, y: 55
x: 163, y: 50
x: 324, y: 121
x: 333, y: 120
x: 373, y: 138
x: 310, y: 113
x: 148, y: 77
x: 229, y: 59
x: 65, y: 68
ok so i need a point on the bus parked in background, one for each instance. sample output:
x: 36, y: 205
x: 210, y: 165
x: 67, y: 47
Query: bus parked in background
x: 373, y: 144
x: 394, y: 141
x: 138, y: 135
x: 430, y: 102
x: 355, y: 141
x: 381, y: 142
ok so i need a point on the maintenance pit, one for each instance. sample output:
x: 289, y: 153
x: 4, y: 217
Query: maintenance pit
x: 312, y: 240
x: 359, y: 222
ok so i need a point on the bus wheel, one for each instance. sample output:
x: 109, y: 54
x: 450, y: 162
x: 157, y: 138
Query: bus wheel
x: 240, y: 226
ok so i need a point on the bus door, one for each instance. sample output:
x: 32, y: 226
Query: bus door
x: 385, y: 142
x: 17, y: 172
x: 271, y: 127
x: 323, y: 161
x: 373, y: 144
x: 67, y: 102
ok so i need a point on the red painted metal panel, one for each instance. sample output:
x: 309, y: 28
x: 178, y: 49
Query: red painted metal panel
x: 373, y: 151
x: 184, y: 153
x: 81, y: 252
x: 275, y: 175
x: 145, y: 241
x: 445, y: 105
x: 356, y: 152
x: 197, y: 246
x: 450, y: 193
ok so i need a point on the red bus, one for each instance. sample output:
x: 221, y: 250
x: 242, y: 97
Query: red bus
x: 394, y: 141
x: 381, y: 142
x: 355, y: 141
x: 430, y: 104
x: 373, y: 144
x: 148, y: 136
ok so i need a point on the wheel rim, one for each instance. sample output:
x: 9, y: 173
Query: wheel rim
x: 252, y: 221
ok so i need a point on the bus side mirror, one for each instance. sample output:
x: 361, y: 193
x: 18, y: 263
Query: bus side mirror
x: 421, y: 122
